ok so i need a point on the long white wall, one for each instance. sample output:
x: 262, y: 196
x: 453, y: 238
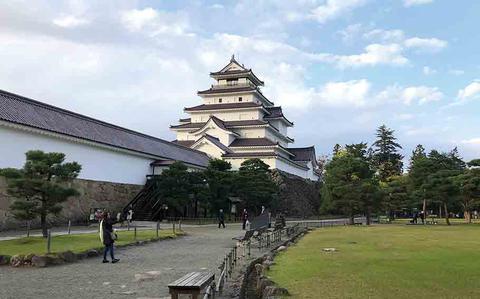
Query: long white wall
x: 287, y: 167
x: 100, y: 164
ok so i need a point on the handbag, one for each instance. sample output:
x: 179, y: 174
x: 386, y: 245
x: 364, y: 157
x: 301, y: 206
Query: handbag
x: 114, y: 235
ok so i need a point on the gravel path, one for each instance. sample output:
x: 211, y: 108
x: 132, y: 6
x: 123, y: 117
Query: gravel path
x: 143, y: 271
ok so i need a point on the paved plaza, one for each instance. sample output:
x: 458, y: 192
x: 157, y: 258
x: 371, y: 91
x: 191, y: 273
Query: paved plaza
x: 143, y: 271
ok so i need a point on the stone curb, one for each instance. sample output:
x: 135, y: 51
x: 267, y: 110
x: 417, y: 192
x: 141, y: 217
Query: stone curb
x: 265, y: 288
x: 53, y: 259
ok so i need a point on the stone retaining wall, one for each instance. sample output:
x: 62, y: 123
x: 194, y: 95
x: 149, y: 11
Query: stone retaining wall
x: 93, y: 194
x: 298, y: 197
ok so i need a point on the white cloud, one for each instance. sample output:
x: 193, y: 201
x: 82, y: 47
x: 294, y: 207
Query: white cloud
x: 421, y: 94
x: 69, y: 21
x: 395, y: 35
x: 472, y: 141
x: 136, y: 19
x: 346, y: 94
x: 333, y: 9
x: 471, y: 91
x: 428, y: 71
x: 456, y: 72
x: 426, y: 44
x: 154, y: 22
x: 420, y: 131
x: 409, y: 3
x: 217, y: 6
x: 404, y: 116
x: 351, y: 32
x: 374, y: 54
x: 411, y: 94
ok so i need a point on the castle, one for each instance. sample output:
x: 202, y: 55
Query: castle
x: 237, y: 122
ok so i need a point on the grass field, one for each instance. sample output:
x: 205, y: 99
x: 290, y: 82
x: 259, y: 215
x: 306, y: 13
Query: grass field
x: 76, y: 243
x: 383, y: 261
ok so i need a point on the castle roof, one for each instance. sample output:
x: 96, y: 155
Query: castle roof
x: 236, y: 70
x: 240, y: 105
x: 227, y: 124
x: 228, y: 89
x: 20, y: 110
x: 276, y: 112
x: 245, y: 142
x: 304, y: 154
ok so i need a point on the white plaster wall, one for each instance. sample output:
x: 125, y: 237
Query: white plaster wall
x: 209, y: 149
x: 97, y: 163
x: 224, y: 137
x: 231, y: 115
x: 280, y: 125
x: 246, y: 97
x: 185, y: 135
x: 236, y: 163
x: 251, y: 132
x: 287, y: 167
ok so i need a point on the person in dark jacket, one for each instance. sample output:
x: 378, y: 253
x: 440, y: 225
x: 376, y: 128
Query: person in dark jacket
x: 108, y: 237
x: 221, y: 219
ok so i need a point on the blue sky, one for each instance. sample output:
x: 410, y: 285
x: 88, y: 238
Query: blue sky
x: 339, y: 68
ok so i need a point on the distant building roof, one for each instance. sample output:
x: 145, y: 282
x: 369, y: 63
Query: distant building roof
x: 24, y: 111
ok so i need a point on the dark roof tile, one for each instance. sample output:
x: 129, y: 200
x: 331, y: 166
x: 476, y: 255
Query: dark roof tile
x: 205, y: 107
x: 24, y: 111
x: 241, y: 142
x: 227, y: 90
x: 303, y: 153
x: 250, y: 154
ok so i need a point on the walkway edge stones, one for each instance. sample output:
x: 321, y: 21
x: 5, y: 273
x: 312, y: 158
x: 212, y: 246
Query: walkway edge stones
x: 255, y: 279
x: 68, y: 256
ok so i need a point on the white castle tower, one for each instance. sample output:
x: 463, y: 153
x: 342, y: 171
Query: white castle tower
x: 237, y: 122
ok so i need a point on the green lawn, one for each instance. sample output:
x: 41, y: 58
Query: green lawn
x: 76, y: 243
x: 383, y: 261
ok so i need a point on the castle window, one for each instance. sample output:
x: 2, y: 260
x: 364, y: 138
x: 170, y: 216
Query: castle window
x: 240, y: 99
x: 220, y: 100
x: 231, y: 82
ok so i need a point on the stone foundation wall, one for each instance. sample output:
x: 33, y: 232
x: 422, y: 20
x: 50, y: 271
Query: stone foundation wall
x: 93, y: 194
x: 298, y: 197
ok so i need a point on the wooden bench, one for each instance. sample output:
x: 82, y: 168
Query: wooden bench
x: 383, y: 220
x: 191, y: 284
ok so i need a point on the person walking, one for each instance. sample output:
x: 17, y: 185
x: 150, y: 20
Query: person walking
x: 221, y: 218
x: 108, y: 237
x: 130, y: 216
x: 244, y: 218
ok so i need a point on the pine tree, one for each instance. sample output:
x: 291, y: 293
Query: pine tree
x: 336, y: 149
x: 417, y: 153
x: 255, y: 186
x: 40, y: 186
x: 349, y: 185
x: 385, y: 154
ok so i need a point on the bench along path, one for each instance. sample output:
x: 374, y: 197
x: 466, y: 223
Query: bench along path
x: 143, y: 271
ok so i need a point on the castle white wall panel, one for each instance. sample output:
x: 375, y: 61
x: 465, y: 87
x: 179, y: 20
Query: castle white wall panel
x: 99, y: 164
